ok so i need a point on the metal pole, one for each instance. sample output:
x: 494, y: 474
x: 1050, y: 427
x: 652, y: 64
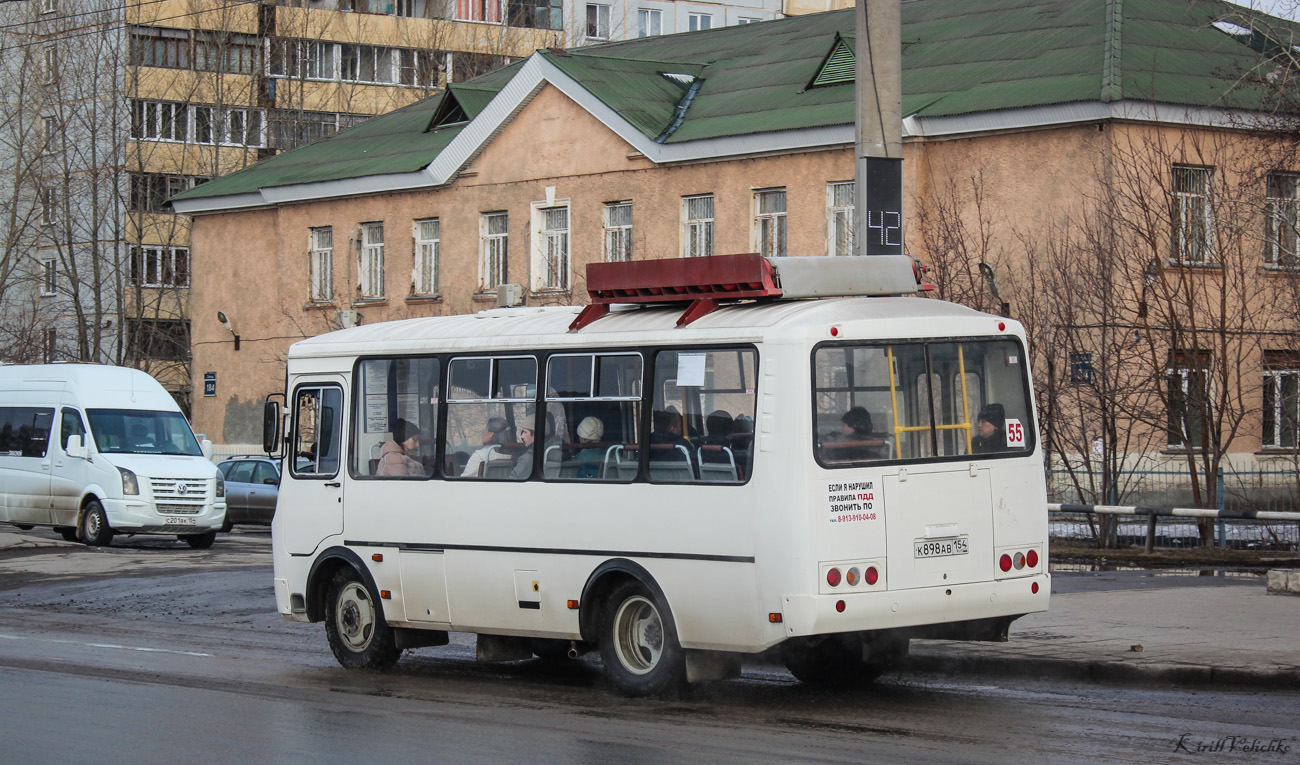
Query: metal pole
x: 878, y: 186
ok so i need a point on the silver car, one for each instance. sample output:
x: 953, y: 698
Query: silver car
x: 252, y: 488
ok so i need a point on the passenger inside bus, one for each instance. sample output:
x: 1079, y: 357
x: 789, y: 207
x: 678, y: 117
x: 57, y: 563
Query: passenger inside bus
x: 855, y: 440
x: 494, y: 434
x: 395, y: 455
x: 992, y: 428
x: 590, y: 456
x: 667, y: 435
x: 524, y: 465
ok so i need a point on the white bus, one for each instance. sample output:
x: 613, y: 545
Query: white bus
x: 828, y: 478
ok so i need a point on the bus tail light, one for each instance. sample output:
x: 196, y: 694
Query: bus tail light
x: 1018, y: 561
x: 839, y: 606
x: 1004, y: 562
x: 1034, y: 588
x: 1031, y: 559
x: 852, y: 577
x: 833, y: 577
x: 873, y: 575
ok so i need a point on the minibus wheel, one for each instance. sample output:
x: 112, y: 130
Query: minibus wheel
x: 94, y: 525
x: 354, y: 624
x: 637, y: 643
x: 200, y: 541
x: 69, y: 533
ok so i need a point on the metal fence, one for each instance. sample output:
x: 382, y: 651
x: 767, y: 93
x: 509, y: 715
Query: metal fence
x: 1238, y: 497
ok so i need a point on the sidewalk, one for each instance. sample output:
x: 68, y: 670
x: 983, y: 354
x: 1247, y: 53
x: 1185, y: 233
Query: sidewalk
x: 1146, y: 627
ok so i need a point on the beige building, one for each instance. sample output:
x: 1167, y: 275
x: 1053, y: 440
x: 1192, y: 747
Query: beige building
x: 1130, y: 230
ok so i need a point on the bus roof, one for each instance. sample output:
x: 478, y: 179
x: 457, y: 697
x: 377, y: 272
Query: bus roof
x: 548, y: 327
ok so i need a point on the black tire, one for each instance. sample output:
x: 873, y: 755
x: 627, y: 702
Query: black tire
x: 358, y: 634
x: 25, y: 526
x: 226, y: 525
x: 836, y: 661
x: 200, y: 541
x: 69, y: 533
x: 638, y: 644
x: 95, y: 530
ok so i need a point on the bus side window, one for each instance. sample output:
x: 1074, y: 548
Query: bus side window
x: 595, y: 400
x: 396, y: 418
x: 704, y: 409
x: 489, y: 400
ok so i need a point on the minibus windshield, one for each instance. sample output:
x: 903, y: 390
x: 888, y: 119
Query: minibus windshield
x: 137, y: 431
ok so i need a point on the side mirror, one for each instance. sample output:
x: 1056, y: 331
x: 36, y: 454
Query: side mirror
x: 271, y: 428
x: 271, y: 481
x: 205, y: 446
x: 76, y: 448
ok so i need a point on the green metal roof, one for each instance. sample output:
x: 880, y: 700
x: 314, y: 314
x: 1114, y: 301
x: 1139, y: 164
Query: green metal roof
x: 959, y: 57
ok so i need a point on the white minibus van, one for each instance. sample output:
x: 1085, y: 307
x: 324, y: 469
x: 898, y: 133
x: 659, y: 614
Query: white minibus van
x: 95, y: 450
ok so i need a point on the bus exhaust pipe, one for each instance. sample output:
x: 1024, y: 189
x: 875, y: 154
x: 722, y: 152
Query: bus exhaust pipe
x: 573, y: 649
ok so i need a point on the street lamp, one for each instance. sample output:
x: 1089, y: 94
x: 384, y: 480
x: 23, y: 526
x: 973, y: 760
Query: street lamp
x: 225, y: 322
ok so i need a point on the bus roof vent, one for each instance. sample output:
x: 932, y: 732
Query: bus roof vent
x: 706, y: 282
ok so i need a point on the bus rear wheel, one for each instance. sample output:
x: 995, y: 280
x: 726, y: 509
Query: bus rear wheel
x: 95, y: 530
x: 354, y: 624
x: 637, y: 643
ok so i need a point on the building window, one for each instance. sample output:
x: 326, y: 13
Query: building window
x: 551, y: 248
x: 428, y: 239
x: 618, y: 231
x: 1193, y: 216
x: 1281, y: 221
x: 321, y: 265
x: 1188, y: 389
x: 597, y: 22
x: 159, y: 46
x: 159, y: 339
x: 289, y: 129
x: 216, y: 51
x: 1281, y: 400
x: 769, y: 222
x: 492, y: 251
x: 49, y: 6
x: 366, y: 63
x: 160, y: 266
x: 698, y: 21
x: 839, y: 218
x: 51, y: 349
x: 372, y: 261
x: 1081, y: 368
x: 536, y: 14
x: 649, y: 22
x: 479, y: 10
x: 697, y: 226
x: 49, y: 276
x: 50, y: 64
x: 418, y: 68
x: 151, y: 191
x: 49, y: 132
x: 159, y: 120
x: 48, y: 205
x: 747, y: 20
x: 304, y: 59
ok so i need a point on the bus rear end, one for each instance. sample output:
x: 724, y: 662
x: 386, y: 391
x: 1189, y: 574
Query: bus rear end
x: 928, y: 504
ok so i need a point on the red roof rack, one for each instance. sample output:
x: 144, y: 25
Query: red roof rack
x: 702, y: 281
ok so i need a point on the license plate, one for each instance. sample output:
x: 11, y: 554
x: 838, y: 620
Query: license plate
x: 179, y: 522
x: 938, y: 548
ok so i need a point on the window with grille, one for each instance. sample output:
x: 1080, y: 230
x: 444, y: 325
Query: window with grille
x: 159, y: 266
x: 618, y: 231
x: 1281, y: 422
x: 1188, y: 397
x: 492, y: 251
x: 1281, y: 220
x: 49, y: 206
x: 1193, y: 216
x: 372, y: 261
x: 697, y: 228
x: 839, y: 218
x: 551, y: 257
x: 769, y: 222
x: 427, y: 241
x: 321, y: 266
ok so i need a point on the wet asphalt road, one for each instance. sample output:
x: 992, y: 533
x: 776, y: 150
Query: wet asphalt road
x: 175, y: 655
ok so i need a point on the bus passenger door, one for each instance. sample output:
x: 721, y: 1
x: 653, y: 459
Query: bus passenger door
x: 310, y: 505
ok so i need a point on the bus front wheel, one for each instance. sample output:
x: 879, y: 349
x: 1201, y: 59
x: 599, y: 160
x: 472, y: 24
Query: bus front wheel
x: 637, y: 643
x: 354, y: 623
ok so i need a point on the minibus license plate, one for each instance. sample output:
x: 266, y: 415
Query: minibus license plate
x: 179, y: 521
x: 938, y: 548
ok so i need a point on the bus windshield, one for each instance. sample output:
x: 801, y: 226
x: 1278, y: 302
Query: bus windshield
x: 920, y: 400
x: 138, y: 431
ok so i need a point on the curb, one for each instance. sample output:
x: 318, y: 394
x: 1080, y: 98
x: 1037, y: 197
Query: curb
x: 1116, y: 672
